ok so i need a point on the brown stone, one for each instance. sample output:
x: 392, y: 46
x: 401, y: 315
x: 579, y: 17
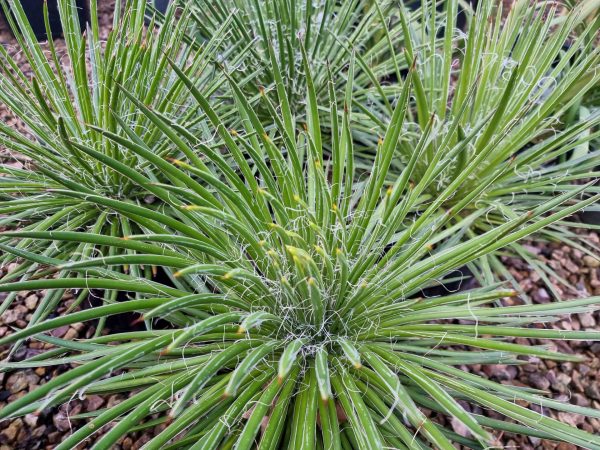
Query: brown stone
x: 10, y: 433
x: 19, y: 381
x: 591, y: 261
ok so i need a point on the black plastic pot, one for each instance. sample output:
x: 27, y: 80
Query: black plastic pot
x: 461, y: 21
x: 590, y: 217
x: 35, y: 14
x: 161, y: 5
x: 127, y: 321
x: 460, y: 279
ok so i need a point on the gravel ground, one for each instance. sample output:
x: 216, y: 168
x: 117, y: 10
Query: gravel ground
x: 577, y: 383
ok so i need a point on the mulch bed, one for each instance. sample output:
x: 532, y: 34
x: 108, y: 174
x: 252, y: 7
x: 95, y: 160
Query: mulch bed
x: 577, y: 383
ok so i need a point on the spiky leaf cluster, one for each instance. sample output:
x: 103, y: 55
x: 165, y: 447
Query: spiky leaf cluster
x: 291, y: 313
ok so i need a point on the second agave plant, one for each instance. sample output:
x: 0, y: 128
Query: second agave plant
x: 296, y: 324
x: 493, y: 102
x: 84, y: 83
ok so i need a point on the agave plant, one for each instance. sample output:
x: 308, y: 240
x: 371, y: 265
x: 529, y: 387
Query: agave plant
x: 90, y: 83
x: 296, y: 324
x: 494, y: 96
